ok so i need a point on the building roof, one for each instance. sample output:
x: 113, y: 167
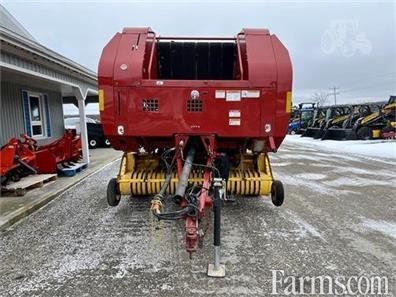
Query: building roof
x: 8, y: 22
x: 12, y: 32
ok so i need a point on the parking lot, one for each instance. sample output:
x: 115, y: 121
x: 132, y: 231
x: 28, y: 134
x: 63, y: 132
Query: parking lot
x: 338, y: 219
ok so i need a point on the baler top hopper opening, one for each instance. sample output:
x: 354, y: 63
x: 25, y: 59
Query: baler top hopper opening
x: 197, y: 60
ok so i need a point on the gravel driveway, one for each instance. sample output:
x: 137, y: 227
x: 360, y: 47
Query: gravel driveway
x: 338, y: 219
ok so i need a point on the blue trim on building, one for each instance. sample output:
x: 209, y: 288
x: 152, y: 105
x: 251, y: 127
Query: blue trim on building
x: 26, y: 115
x: 47, y: 116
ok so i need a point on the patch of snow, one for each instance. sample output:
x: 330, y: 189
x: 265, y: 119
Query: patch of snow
x: 355, y: 170
x: 296, y: 156
x: 304, y: 227
x: 313, y: 186
x: 311, y: 176
x: 281, y: 164
x: 308, y: 227
x: 361, y: 171
x: 358, y: 182
x: 381, y: 149
x: 385, y: 227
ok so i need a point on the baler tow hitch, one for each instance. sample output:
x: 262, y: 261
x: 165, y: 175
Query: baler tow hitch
x: 195, y: 187
x: 190, y: 201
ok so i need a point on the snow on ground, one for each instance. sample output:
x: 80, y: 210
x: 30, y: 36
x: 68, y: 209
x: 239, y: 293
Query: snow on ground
x: 356, y: 181
x: 311, y: 176
x: 305, y: 226
x: 382, y: 149
x: 318, y: 187
x: 387, y: 228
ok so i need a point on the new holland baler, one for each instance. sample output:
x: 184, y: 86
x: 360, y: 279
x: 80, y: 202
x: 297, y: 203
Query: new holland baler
x: 196, y: 118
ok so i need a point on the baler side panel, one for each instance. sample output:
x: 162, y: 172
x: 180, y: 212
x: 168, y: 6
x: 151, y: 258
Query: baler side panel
x: 263, y: 72
x: 284, y: 86
x: 105, y: 81
x: 129, y: 60
x: 261, y: 59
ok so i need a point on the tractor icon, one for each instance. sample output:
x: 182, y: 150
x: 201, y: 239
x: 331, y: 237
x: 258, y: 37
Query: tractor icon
x: 345, y: 36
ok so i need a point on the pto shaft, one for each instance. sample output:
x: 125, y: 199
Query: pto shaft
x: 183, y: 179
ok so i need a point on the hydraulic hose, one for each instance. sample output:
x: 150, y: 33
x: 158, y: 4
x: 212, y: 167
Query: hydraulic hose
x: 156, y: 203
x: 164, y: 187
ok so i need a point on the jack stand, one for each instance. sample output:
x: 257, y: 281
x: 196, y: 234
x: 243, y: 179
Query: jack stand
x: 216, y: 269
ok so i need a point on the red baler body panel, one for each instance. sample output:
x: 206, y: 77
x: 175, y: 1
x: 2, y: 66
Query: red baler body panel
x: 152, y: 109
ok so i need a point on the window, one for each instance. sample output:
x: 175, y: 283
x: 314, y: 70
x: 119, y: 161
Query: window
x: 36, y: 114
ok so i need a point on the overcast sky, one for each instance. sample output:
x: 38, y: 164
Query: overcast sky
x: 351, y: 45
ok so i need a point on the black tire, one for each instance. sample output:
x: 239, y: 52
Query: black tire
x: 277, y: 193
x: 92, y: 143
x: 107, y: 143
x: 364, y: 133
x: 113, y: 195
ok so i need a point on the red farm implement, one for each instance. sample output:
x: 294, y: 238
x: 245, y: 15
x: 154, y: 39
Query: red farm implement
x: 19, y: 158
x: 196, y: 118
x: 16, y: 160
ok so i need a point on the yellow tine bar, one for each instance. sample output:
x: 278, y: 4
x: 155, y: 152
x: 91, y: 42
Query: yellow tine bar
x: 148, y: 182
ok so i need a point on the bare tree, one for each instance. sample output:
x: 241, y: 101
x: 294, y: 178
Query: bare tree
x: 320, y: 98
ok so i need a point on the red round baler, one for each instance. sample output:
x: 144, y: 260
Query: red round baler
x: 196, y: 118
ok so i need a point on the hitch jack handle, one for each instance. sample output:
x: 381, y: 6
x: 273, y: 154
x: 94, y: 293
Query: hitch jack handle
x: 217, y: 269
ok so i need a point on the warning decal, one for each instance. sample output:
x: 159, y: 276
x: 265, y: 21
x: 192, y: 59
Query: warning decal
x: 234, y: 122
x: 233, y: 95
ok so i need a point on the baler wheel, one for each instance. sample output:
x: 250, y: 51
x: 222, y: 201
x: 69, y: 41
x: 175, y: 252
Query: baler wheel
x: 277, y: 193
x: 113, y: 196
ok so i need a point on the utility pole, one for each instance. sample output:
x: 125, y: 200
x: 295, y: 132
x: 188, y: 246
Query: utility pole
x: 335, y: 93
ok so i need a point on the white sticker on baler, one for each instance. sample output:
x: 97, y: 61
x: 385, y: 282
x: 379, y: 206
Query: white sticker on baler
x: 234, y: 122
x: 233, y: 95
x: 220, y: 94
x: 250, y: 93
x: 234, y: 113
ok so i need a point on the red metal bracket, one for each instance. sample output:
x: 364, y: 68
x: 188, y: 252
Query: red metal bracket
x: 192, y: 224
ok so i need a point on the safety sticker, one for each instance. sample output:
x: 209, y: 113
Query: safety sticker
x: 233, y: 95
x: 250, y: 93
x: 220, y: 94
x: 234, y: 113
x: 234, y: 122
